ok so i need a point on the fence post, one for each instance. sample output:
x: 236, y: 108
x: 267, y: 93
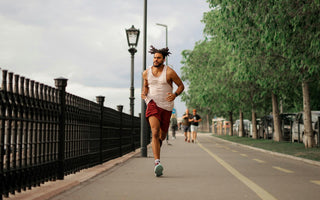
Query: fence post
x: 61, y: 84
x: 3, y: 103
x: 132, y: 132
x: 120, y: 108
x: 100, y: 100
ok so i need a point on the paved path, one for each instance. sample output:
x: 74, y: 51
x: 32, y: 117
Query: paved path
x: 210, y: 169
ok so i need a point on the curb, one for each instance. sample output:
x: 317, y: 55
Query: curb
x: 313, y: 162
x: 53, y: 188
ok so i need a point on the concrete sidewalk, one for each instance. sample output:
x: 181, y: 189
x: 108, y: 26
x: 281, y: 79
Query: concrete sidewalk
x: 187, y: 171
x: 174, y: 154
x: 53, y: 188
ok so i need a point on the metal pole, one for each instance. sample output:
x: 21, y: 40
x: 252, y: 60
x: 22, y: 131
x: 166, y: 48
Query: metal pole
x: 61, y: 84
x: 167, y: 65
x: 167, y: 43
x: 100, y: 101
x: 143, y: 133
x: 166, y: 37
x: 132, y: 51
x: 120, y: 109
x: 167, y: 138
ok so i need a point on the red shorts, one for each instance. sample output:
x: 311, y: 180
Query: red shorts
x: 161, y: 114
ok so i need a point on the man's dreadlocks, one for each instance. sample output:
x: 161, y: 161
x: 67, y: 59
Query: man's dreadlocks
x: 165, y: 51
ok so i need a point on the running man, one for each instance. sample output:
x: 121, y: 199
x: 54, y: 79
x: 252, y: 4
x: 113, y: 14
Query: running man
x: 158, y: 94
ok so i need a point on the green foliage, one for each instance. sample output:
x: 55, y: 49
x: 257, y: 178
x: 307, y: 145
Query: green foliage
x: 253, y: 48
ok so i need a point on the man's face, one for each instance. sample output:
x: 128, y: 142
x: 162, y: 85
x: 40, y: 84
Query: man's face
x: 194, y: 112
x: 158, y: 60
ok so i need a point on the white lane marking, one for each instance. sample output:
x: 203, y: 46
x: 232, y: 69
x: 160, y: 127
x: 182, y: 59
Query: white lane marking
x: 251, y: 185
x: 283, y: 170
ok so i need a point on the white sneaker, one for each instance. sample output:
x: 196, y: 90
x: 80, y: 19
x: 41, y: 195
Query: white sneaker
x: 158, y: 170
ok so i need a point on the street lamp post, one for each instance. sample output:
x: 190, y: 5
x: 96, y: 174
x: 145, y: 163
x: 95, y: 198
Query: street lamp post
x: 132, y: 37
x: 143, y: 122
x: 166, y: 37
x: 167, y: 57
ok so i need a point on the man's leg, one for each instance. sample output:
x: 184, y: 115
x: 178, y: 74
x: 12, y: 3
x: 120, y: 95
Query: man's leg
x: 156, y: 137
x: 195, y: 133
x: 155, y: 128
x: 163, y: 135
x: 193, y: 136
x: 174, y: 132
x: 185, y: 130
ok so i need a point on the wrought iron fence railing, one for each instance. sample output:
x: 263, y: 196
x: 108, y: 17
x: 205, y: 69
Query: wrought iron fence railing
x: 47, y: 133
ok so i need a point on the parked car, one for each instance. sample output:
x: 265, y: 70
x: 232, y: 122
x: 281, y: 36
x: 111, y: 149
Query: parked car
x: 226, y: 124
x: 298, y: 124
x: 265, y: 127
x: 246, y: 124
x: 286, y: 120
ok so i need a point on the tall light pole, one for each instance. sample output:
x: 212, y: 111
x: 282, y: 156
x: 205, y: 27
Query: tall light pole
x: 167, y: 56
x: 166, y: 37
x: 144, y: 126
x: 132, y: 37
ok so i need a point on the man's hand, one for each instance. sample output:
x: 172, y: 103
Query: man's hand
x: 170, y: 97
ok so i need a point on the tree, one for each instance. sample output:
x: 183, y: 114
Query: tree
x: 257, y: 50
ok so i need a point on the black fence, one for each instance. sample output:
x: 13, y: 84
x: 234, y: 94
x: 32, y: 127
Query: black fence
x: 47, y: 133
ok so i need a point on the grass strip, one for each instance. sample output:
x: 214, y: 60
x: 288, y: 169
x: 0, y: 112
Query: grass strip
x: 294, y: 149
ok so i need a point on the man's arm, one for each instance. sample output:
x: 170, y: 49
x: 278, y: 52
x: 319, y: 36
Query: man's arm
x: 191, y: 118
x: 199, y: 120
x: 173, y: 77
x: 176, y: 79
x: 145, y: 87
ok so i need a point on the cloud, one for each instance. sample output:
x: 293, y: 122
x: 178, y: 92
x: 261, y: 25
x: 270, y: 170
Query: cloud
x: 85, y: 41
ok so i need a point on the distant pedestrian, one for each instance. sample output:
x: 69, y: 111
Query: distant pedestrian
x: 186, y: 125
x: 195, y: 119
x: 158, y: 94
x: 173, y: 125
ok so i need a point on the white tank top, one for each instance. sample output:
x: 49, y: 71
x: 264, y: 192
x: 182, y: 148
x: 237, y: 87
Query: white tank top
x: 158, y: 89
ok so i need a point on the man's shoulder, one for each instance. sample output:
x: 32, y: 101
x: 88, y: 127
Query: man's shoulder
x: 145, y: 72
x: 171, y: 71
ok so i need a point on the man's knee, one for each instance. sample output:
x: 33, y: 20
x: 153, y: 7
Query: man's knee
x: 155, y: 132
x: 163, y: 136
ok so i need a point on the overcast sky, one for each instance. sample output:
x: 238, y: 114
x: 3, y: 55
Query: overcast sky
x: 85, y: 42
